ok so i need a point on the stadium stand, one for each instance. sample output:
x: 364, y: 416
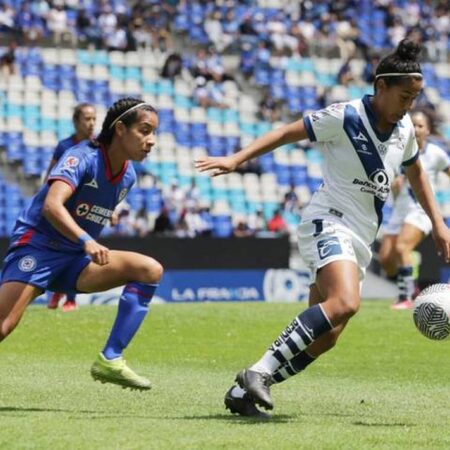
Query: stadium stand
x: 240, y: 67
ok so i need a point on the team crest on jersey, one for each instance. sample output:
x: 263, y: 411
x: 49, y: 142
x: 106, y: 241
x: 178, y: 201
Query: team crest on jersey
x: 71, y: 162
x: 27, y: 263
x: 82, y: 209
x: 382, y: 149
x: 123, y: 194
x: 329, y: 247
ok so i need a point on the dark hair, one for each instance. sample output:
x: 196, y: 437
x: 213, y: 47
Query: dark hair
x: 405, y: 59
x: 79, y: 109
x: 120, y: 107
x: 428, y: 119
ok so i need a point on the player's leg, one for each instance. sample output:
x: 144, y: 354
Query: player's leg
x: 237, y: 399
x: 141, y: 275
x: 387, y: 255
x: 14, y: 298
x: 322, y: 345
x: 409, y: 237
x: 338, y: 285
x: 54, y: 298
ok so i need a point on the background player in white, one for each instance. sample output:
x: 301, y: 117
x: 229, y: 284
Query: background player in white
x: 54, y: 242
x: 409, y: 224
x: 84, y: 119
x: 364, y: 142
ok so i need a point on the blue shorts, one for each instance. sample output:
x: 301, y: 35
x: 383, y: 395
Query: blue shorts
x: 44, y: 268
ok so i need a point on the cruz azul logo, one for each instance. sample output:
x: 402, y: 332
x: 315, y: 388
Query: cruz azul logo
x: 329, y: 247
x: 27, y: 263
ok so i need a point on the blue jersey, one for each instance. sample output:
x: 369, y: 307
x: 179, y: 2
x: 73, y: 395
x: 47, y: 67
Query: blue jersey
x: 96, y: 192
x: 64, y: 145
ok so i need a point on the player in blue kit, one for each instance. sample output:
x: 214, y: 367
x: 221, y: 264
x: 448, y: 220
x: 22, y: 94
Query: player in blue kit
x: 54, y: 243
x: 84, y: 118
x: 364, y: 142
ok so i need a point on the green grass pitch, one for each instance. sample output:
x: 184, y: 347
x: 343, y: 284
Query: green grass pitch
x: 383, y: 387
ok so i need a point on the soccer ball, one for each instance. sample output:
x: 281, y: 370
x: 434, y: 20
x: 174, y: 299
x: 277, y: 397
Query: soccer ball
x: 432, y: 312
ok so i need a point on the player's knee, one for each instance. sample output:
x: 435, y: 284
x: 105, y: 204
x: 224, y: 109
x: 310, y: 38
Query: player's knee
x: 152, y: 271
x: 401, y: 249
x: 344, y: 307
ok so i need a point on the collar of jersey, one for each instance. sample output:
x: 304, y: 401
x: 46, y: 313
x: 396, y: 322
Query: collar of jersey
x: 114, y: 179
x: 373, y: 119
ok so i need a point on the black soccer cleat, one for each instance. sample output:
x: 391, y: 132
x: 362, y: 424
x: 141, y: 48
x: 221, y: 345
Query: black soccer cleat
x: 257, y: 386
x: 243, y: 406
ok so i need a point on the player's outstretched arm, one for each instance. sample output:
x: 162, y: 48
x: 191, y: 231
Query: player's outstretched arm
x: 286, y: 134
x: 422, y: 190
x: 59, y: 217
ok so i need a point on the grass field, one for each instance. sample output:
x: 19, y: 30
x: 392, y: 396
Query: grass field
x: 383, y: 387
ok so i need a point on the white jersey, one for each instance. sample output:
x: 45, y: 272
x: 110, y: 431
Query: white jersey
x: 359, y: 165
x: 434, y: 160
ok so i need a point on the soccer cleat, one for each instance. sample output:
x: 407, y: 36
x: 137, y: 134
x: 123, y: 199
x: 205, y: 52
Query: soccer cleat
x: 54, y: 300
x: 257, y: 386
x: 116, y: 371
x: 403, y: 304
x: 69, y: 305
x: 243, y: 406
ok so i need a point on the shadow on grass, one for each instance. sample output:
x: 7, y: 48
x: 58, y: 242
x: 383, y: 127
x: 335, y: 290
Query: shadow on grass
x: 394, y: 424
x: 281, y: 418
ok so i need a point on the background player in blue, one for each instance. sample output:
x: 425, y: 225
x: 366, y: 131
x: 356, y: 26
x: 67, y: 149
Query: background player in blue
x: 408, y: 224
x: 364, y: 142
x: 84, y: 119
x: 53, y: 245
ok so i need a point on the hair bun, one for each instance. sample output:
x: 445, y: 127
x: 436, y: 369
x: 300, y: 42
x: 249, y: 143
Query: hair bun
x: 408, y: 50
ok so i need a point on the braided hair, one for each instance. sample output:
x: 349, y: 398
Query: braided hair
x: 119, y: 110
x: 404, y: 60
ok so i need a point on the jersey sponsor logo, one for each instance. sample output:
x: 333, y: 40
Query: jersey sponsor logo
x: 82, y: 209
x: 329, y: 247
x: 92, y: 183
x: 27, y: 263
x: 71, y: 162
x: 123, y: 194
x: 378, y: 184
x: 360, y: 137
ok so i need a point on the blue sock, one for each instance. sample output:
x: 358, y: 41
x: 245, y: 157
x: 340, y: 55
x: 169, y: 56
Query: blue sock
x: 405, y: 283
x: 133, y: 307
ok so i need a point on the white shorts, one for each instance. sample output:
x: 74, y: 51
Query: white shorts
x: 321, y: 242
x: 415, y: 216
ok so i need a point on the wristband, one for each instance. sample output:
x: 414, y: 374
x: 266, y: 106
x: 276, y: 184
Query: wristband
x: 84, y: 238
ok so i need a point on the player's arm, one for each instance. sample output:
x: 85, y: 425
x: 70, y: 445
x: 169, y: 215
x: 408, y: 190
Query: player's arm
x: 59, y: 217
x: 286, y: 134
x: 422, y: 190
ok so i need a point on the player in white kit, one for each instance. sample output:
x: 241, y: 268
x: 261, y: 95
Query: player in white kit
x: 409, y: 224
x: 364, y: 143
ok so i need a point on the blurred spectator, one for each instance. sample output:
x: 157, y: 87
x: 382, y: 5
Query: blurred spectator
x: 256, y: 222
x: 125, y: 224
x: 192, y: 195
x: 291, y: 201
x: 6, y: 18
x: 207, y: 220
x: 172, y: 66
x: 345, y: 74
x: 368, y: 74
x: 162, y: 222
x: 242, y: 229
x: 117, y: 39
x: 8, y: 60
x: 277, y: 224
x: 269, y: 108
x: 141, y: 224
x: 87, y: 29
x: 59, y: 26
x: 214, y: 30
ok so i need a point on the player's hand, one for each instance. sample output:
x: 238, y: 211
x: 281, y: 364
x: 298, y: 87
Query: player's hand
x: 441, y: 235
x: 218, y: 165
x: 98, y: 253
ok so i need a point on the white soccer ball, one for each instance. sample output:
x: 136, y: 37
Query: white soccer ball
x: 432, y: 312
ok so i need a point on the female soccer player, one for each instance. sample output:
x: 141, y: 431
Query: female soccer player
x: 364, y: 142
x: 84, y: 118
x: 408, y: 224
x: 53, y: 245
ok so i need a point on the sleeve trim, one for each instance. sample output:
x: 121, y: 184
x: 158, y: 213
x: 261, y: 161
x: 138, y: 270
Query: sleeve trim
x: 65, y: 180
x: 412, y: 160
x: 309, y: 129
